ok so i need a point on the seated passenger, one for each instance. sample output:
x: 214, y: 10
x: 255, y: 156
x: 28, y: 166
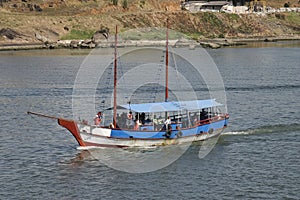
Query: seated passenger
x: 111, y: 125
x: 98, y: 119
x: 203, y: 114
x: 137, y: 125
x: 147, y: 121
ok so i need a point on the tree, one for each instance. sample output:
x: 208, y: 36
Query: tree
x: 115, y: 2
x: 286, y: 5
x: 125, y: 4
x: 234, y: 2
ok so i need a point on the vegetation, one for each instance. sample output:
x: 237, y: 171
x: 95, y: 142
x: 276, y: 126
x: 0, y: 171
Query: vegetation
x: 76, y: 19
x: 212, y: 19
x: 75, y: 34
x: 293, y: 20
x: 125, y: 4
x: 150, y: 34
x: 233, y: 16
x: 115, y: 2
x: 194, y: 36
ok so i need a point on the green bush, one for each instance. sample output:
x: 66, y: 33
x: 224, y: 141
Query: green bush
x: 115, y: 2
x: 125, y: 4
x: 286, y: 5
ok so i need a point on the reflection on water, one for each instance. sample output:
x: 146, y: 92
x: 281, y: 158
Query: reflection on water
x: 278, y: 44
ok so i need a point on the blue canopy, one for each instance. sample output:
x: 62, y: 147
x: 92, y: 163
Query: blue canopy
x: 171, y: 106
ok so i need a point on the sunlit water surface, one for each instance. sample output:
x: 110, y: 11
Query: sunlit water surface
x: 258, y: 156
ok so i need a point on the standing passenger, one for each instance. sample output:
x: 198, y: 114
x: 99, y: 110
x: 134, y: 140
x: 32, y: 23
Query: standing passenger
x: 130, y: 120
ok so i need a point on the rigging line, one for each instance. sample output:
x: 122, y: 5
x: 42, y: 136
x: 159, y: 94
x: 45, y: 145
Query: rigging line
x: 121, y: 80
x: 158, y: 77
x: 176, y: 69
x: 108, y: 83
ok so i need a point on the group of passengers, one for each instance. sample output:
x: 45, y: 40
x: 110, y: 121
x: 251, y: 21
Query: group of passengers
x: 129, y: 121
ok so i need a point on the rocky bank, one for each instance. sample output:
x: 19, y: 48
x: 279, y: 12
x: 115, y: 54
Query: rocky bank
x: 61, y: 25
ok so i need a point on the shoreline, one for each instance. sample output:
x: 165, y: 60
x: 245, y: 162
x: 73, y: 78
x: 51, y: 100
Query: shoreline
x: 88, y: 44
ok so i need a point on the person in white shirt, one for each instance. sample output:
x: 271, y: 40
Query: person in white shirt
x: 168, y: 121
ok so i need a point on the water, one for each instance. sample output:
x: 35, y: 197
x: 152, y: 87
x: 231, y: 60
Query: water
x: 258, y: 156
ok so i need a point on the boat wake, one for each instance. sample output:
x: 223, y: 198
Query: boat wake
x: 89, y: 148
x: 279, y: 128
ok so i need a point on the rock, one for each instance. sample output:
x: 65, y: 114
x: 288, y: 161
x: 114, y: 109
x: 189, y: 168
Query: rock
x: 74, y: 44
x: 64, y: 43
x: 101, y: 35
x: 41, y: 38
x: 270, y: 40
x: 52, y: 45
x: 210, y: 45
x: 87, y: 41
x: 9, y: 33
x: 185, y: 42
x: 37, y: 8
x: 92, y: 45
x: 84, y: 45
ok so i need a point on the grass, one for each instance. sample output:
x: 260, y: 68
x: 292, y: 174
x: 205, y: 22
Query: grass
x: 75, y: 34
x: 150, y: 34
x: 195, y: 36
x: 293, y: 18
x: 233, y: 16
x: 212, y: 19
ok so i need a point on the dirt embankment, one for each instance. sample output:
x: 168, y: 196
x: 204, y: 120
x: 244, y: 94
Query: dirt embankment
x: 40, y: 23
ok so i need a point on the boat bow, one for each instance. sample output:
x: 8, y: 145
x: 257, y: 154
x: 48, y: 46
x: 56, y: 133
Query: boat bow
x: 73, y: 128
x: 71, y: 125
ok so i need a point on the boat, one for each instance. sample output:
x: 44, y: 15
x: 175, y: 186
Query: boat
x: 155, y: 123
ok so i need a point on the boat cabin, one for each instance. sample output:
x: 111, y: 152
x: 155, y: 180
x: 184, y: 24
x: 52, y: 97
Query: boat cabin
x: 152, y: 116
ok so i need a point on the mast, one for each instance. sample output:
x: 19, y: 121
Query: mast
x: 167, y: 62
x: 115, y: 80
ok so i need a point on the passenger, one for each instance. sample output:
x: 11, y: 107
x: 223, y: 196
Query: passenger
x: 167, y: 123
x: 98, y: 119
x: 111, y: 126
x: 203, y: 114
x: 160, y: 120
x: 130, y: 120
x: 137, y: 125
x: 148, y: 121
x: 195, y: 121
x: 155, y: 123
x: 137, y: 116
x: 168, y: 128
x: 123, y: 120
x: 100, y: 116
x: 118, y: 120
x: 142, y: 118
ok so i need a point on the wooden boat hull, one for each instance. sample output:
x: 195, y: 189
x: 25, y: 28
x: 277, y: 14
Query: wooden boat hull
x: 87, y: 135
x: 92, y: 140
